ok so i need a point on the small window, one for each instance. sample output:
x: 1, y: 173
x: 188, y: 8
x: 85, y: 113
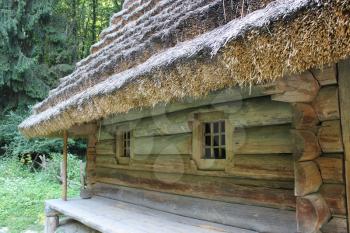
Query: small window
x: 214, y: 140
x: 126, y: 144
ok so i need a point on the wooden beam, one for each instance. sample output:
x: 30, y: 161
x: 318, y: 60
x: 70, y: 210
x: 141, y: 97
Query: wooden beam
x: 64, y: 165
x: 312, y: 212
x: 344, y: 103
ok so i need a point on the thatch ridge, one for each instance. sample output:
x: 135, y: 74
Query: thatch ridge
x: 316, y: 33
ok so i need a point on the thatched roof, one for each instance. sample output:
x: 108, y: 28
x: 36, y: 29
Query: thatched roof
x: 163, y: 50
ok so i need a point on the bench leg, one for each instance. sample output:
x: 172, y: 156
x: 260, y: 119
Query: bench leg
x: 51, y: 224
x: 51, y: 220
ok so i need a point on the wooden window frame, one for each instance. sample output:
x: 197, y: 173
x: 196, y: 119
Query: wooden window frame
x: 198, y: 141
x: 121, y: 159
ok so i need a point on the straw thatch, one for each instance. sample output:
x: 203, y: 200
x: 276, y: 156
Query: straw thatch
x: 160, y: 51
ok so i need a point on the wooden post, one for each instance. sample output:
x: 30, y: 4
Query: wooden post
x: 344, y: 103
x: 51, y: 220
x: 64, y: 165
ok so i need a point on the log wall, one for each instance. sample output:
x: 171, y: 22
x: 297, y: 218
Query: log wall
x: 162, y: 159
x: 287, y: 143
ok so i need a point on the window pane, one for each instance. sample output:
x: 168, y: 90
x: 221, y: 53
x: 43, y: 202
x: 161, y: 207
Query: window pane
x: 223, y: 140
x: 216, y: 140
x: 207, y: 127
x: 207, y: 153
x: 207, y: 140
x: 216, y: 153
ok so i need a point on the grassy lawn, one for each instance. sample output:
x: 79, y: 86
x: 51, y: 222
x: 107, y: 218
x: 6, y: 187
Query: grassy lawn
x: 22, y: 195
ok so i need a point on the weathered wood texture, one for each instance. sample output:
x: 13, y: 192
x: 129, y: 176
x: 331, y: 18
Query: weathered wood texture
x: 329, y: 137
x: 51, y: 224
x: 263, y: 140
x: 307, y: 178
x: 326, y: 103
x: 91, y: 161
x: 227, y: 95
x: 304, y: 116
x: 344, y: 100
x: 111, y: 216
x: 334, y: 195
x: 331, y: 167
x: 248, y: 217
x: 335, y: 225
x: 216, y: 188
x: 179, y: 144
x: 306, y: 145
x: 312, y: 213
x: 326, y: 75
x: 300, y: 88
x: 64, y: 165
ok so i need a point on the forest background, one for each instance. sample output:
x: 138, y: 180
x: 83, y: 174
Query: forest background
x: 40, y: 42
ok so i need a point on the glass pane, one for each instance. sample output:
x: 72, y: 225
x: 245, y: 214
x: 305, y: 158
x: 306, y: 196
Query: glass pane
x: 216, y: 153
x: 223, y: 140
x: 216, y: 127
x: 207, y: 153
x: 207, y: 140
x: 207, y: 127
x: 216, y: 140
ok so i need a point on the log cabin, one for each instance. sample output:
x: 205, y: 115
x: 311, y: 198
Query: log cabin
x: 210, y: 116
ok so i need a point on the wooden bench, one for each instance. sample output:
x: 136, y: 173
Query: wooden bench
x: 126, y: 210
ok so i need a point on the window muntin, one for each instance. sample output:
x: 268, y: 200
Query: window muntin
x: 214, y: 142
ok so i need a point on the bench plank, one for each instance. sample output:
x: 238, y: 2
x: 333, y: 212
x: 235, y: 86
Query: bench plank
x: 110, y: 216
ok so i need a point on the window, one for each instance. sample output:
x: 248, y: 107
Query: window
x: 214, y: 140
x: 212, y: 143
x: 126, y: 144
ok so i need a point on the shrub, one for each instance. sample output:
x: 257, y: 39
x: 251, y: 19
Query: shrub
x: 13, y: 143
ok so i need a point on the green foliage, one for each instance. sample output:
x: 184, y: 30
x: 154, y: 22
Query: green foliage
x: 22, y: 192
x: 33, y: 48
x: 14, y: 144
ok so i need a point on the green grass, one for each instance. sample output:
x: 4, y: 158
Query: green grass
x: 22, y: 194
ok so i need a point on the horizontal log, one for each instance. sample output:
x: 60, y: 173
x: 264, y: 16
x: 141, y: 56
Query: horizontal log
x: 106, y: 159
x: 326, y: 104
x: 326, y: 75
x: 332, y: 170
x: 299, y: 88
x: 261, y: 166
x: 329, y: 137
x: 255, y: 180
x: 106, y: 147
x: 263, y: 140
x: 259, y: 112
x: 178, y: 163
x: 103, y: 135
x: 252, y: 112
x: 222, y: 189
x: 335, y: 195
x: 256, y: 218
x: 227, y: 95
x: 312, y: 213
x: 179, y: 144
x: 307, y: 178
x: 335, y: 225
x: 306, y: 145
